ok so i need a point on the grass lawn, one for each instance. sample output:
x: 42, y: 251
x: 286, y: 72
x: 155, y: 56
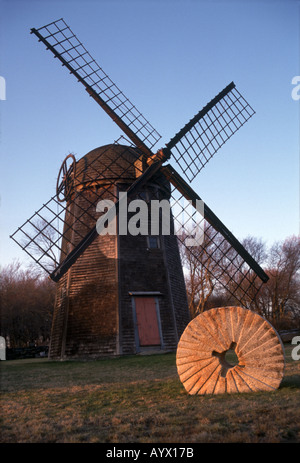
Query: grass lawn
x: 137, y: 399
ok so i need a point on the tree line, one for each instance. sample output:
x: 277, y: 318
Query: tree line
x: 27, y: 297
x: 278, y: 300
x: 27, y: 302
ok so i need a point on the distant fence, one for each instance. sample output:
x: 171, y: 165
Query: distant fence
x: 26, y: 352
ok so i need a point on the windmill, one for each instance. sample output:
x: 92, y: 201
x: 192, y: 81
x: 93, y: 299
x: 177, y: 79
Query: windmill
x: 120, y: 292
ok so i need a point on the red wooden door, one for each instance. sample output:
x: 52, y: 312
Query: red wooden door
x: 147, y: 321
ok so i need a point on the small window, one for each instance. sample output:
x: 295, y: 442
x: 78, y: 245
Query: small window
x: 153, y: 242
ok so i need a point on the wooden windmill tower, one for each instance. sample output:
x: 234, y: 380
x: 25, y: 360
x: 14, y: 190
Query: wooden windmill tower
x: 125, y: 293
x: 120, y: 292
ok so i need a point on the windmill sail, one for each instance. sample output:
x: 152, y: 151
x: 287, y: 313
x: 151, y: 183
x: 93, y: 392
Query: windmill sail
x: 42, y: 235
x: 226, y: 266
x: 63, y: 43
x: 224, y: 259
x: 197, y: 142
x: 59, y: 232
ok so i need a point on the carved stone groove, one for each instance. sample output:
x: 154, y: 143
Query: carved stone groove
x: 203, y: 361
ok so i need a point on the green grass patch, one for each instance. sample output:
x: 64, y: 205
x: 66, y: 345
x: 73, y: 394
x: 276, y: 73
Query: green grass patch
x: 137, y: 399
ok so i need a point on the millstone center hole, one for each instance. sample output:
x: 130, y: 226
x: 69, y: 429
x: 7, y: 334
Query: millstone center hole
x: 228, y: 359
x: 231, y: 358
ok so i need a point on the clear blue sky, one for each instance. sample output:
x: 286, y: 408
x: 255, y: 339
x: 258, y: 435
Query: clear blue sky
x: 170, y: 58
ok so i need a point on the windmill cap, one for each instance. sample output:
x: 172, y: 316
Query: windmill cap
x: 114, y: 163
x: 110, y: 162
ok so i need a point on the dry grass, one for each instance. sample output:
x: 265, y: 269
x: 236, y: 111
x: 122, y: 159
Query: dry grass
x: 137, y: 399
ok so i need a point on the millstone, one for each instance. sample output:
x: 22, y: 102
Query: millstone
x: 203, y: 353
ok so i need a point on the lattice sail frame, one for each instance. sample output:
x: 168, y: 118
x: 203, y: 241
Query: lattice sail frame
x: 60, y: 39
x: 42, y: 234
x: 206, y: 133
x: 219, y: 254
x: 227, y: 270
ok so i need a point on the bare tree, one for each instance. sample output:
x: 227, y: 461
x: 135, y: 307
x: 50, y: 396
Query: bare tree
x: 256, y: 248
x: 279, y: 299
x: 247, y: 291
x: 201, y: 271
x: 208, y: 286
x: 42, y: 241
x: 27, y: 300
x: 283, y: 288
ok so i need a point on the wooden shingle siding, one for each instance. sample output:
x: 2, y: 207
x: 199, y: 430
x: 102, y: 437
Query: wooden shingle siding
x: 94, y: 314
